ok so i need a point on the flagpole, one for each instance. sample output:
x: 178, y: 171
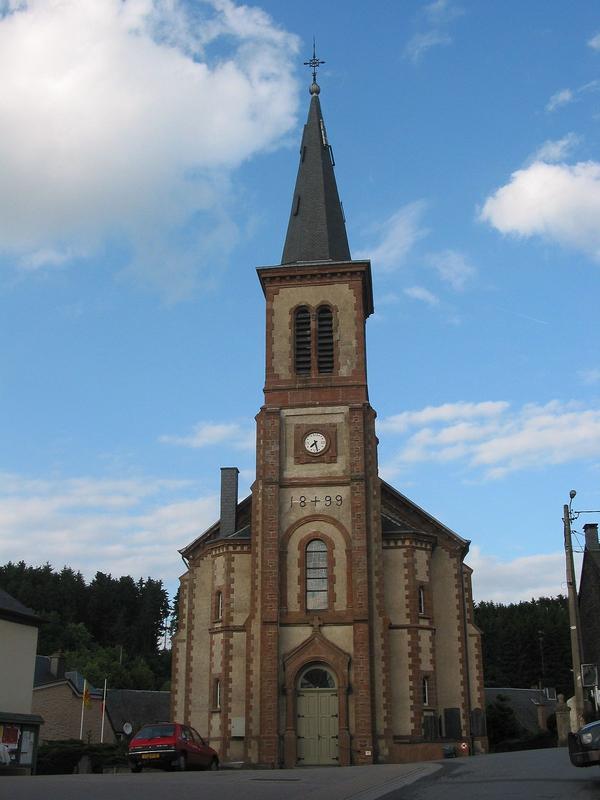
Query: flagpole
x: 82, y: 708
x: 103, y: 711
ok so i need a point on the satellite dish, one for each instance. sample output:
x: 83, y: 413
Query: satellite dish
x: 127, y: 729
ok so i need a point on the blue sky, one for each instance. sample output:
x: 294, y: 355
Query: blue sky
x: 148, y: 152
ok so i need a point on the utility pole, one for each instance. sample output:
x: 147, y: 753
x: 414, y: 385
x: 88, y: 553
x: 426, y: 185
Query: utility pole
x: 573, y: 613
x: 541, y: 641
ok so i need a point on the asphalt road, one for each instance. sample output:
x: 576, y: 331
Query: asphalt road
x: 534, y: 775
x: 526, y: 775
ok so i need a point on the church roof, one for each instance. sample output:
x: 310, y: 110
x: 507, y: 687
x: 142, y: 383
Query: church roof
x: 399, y: 516
x: 316, y: 230
x: 411, y: 517
x: 213, y: 534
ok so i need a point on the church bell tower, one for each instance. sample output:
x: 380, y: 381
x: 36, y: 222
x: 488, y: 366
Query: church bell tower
x: 316, y: 520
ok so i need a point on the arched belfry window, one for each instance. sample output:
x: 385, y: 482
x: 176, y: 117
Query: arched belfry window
x: 302, y: 341
x: 317, y: 577
x: 325, y: 339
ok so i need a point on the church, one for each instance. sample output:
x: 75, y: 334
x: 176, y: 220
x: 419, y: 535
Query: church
x: 325, y: 619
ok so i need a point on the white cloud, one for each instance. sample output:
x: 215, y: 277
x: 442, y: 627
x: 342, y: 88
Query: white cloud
x: 560, y: 98
x: 594, y: 42
x: 453, y: 267
x: 396, y: 237
x: 556, y: 201
x: 493, y: 439
x: 448, y: 412
x: 566, y: 96
x: 132, y: 526
x: 420, y: 43
x: 437, y: 16
x: 442, y: 11
x: 208, y: 434
x: 556, y: 149
x: 590, y: 376
x: 126, y: 119
x: 500, y: 581
x: 422, y: 294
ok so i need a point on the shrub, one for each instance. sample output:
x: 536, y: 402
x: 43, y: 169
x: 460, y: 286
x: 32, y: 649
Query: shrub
x: 63, y: 757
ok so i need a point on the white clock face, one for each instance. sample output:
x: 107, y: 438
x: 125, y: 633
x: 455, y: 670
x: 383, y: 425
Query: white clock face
x: 315, y: 443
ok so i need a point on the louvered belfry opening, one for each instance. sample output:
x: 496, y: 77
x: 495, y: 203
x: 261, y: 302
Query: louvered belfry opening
x: 325, y: 340
x: 302, y: 341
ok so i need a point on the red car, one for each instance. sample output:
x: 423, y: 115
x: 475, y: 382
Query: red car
x: 170, y: 745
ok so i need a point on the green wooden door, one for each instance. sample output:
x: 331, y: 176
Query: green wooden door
x: 317, y: 726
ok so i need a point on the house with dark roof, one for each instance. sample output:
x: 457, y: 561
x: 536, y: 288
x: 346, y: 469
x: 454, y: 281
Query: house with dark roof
x: 531, y: 707
x: 58, y: 697
x: 19, y: 724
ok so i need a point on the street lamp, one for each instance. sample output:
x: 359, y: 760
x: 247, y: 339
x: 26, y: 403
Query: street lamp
x: 573, y: 611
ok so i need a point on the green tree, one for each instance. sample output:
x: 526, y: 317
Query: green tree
x: 502, y: 723
x: 109, y: 627
x: 526, y: 644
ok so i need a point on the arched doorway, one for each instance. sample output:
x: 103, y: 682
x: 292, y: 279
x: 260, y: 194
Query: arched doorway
x: 317, y: 723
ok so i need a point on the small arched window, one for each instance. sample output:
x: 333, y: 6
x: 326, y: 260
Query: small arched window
x: 421, y: 600
x: 425, y: 691
x: 219, y: 605
x: 324, y: 340
x: 217, y: 693
x: 317, y: 578
x: 302, y: 341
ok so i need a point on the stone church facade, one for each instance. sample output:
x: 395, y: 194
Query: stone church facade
x: 325, y: 619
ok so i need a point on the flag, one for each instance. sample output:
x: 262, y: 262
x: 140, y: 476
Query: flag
x: 87, y: 701
x: 103, y: 709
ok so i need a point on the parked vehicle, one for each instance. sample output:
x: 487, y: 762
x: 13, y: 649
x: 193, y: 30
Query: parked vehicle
x: 170, y: 745
x: 584, y: 746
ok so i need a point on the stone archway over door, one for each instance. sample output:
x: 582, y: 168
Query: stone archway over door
x: 317, y: 727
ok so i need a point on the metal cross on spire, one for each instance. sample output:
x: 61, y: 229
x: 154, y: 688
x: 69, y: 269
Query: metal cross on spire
x: 314, y: 63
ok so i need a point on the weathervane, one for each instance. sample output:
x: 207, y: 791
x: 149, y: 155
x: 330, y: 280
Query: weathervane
x: 314, y: 63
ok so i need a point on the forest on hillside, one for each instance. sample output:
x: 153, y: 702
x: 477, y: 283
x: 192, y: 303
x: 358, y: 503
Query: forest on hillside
x: 526, y: 644
x: 116, y: 628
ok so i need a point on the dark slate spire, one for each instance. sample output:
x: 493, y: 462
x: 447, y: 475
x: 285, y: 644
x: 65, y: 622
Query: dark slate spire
x: 316, y: 230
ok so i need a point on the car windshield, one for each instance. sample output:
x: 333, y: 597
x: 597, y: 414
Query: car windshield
x: 592, y: 726
x: 155, y: 732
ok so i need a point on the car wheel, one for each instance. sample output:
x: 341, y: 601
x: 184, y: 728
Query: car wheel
x: 214, y: 764
x: 181, y: 763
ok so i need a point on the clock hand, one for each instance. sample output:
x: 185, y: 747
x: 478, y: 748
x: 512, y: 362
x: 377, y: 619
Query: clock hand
x: 314, y: 444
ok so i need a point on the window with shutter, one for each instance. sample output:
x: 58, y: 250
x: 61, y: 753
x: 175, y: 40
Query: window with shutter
x: 302, y: 341
x: 325, y: 340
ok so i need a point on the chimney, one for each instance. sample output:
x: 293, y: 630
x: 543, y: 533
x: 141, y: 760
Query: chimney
x: 229, y: 498
x: 57, y: 665
x: 591, y: 536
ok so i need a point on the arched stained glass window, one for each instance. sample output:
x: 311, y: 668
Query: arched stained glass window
x: 324, y: 340
x: 302, y: 341
x: 317, y: 578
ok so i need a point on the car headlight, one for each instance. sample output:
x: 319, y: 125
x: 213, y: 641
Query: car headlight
x: 587, y: 738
